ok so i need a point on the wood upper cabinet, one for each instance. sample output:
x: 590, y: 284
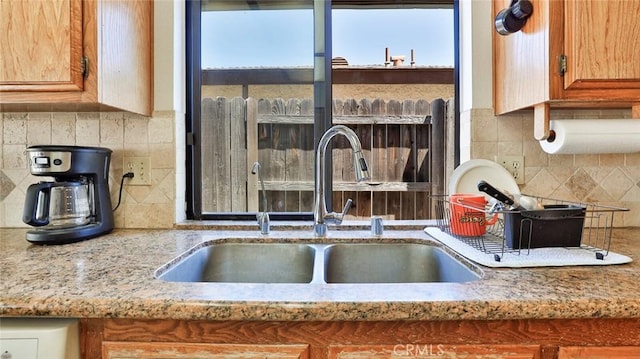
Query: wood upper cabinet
x: 570, y: 53
x: 602, y: 40
x: 76, y: 54
x: 41, y: 45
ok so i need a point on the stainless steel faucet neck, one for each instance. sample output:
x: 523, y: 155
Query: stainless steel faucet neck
x: 320, y: 215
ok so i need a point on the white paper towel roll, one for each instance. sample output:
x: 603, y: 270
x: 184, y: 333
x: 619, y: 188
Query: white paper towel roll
x: 594, y: 136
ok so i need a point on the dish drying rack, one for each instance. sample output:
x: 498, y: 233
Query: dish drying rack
x: 595, y: 235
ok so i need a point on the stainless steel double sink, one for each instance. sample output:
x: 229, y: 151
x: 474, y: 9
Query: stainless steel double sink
x: 316, y: 263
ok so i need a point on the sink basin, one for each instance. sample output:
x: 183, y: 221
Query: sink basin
x: 316, y: 263
x: 246, y: 263
x: 392, y: 263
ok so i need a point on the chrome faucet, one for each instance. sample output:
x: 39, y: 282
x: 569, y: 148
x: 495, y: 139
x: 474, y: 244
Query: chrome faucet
x: 320, y: 215
x: 263, y: 218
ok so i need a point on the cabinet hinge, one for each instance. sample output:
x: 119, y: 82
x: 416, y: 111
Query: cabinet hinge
x: 84, y: 66
x: 562, y: 64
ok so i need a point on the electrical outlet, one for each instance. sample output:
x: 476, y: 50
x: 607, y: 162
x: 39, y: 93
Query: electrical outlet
x: 141, y: 171
x: 515, y: 166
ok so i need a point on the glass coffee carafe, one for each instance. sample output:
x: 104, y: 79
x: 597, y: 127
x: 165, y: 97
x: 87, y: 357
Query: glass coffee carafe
x: 58, y: 204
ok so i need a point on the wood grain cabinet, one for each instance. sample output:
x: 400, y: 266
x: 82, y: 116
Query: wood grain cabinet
x: 630, y: 352
x: 127, y: 350
x: 76, y: 54
x: 570, y: 53
x: 478, y: 339
x: 435, y: 351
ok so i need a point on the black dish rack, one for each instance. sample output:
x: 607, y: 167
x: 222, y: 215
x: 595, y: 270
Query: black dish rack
x: 559, y: 223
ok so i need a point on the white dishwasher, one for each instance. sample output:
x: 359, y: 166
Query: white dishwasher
x: 39, y: 338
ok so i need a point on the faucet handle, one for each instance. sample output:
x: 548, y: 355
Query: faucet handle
x: 263, y: 222
x: 336, y: 218
x: 346, y: 208
x: 376, y: 226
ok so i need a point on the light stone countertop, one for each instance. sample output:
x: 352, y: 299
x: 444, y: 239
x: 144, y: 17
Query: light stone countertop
x: 113, y: 277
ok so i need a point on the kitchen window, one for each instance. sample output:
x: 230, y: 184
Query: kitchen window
x: 267, y: 78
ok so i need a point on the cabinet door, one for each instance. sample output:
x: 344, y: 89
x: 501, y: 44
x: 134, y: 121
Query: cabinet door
x: 41, y: 45
x: 631, y: 352
x: 434, y: 351
x: 133, y: 350
x: 601, y: 44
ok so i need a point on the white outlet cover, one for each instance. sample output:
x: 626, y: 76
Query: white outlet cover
x: 137, y: 162
x: 507, y: 162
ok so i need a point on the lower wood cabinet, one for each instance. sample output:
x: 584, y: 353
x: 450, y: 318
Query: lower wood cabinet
x: 597, y: 338
x: 626, y: 352
x: 434, y: 351
x: 134, y: 350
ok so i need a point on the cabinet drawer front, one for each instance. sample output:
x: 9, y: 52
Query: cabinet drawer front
x: 493, y: 351
x: 128, y: 350
x: 630, y: 352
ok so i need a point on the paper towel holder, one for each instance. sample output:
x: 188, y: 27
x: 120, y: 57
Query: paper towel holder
x: 552, y: 136
x: 541, y: 120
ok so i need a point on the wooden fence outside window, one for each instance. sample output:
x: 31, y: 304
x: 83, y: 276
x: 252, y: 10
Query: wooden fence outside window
x: 402, y: 140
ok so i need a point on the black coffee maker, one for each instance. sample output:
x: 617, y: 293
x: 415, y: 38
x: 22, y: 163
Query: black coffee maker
x: 77, y: 205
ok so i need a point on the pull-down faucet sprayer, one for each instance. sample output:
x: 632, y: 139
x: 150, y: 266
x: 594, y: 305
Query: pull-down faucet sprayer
x: 320, y: 215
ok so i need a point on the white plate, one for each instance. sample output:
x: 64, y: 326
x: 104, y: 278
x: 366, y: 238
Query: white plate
x: 465, y: 177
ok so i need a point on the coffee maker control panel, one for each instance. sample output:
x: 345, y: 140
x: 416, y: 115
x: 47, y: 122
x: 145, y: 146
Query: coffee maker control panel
x: 49, y: 162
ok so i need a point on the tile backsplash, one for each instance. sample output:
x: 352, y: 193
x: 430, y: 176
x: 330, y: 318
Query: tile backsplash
x: 607, y: 179
x: 125, y: 133
x: 611, y: 179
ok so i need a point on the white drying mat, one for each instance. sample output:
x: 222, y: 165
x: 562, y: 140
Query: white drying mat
x: 537, y: 257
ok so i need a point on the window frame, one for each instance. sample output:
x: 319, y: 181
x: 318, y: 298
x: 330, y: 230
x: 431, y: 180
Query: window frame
x: 322, y: 93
